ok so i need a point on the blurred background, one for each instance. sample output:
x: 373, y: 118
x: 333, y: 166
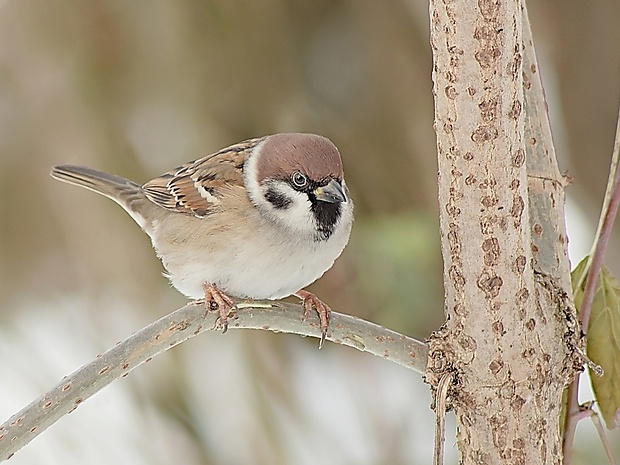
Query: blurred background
x: 136, y: 88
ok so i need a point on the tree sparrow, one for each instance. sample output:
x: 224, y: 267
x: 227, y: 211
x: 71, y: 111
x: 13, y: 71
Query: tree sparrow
x: 260, y: 219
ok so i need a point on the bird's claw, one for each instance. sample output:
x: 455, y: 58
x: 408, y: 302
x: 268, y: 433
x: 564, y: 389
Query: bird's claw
x: 216, y: 300
x: 312, y: 302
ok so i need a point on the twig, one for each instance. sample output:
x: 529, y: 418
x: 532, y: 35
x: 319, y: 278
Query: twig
x: 181, y: 325
x: 589, y: 289
x: 598, y: 424
x: 571, y: 420
x: 612, y: 180
x: 601, y: 240
x: 440, y: 418
x: 586, y: 411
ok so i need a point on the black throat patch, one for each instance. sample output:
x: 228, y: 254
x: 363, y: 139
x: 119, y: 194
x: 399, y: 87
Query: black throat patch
x: 326, y: 215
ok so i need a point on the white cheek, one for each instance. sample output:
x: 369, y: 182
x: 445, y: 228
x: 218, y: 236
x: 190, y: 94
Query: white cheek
x: 298, y: 215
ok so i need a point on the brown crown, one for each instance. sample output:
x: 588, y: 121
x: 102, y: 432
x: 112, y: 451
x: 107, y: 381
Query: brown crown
x: 315, y: 156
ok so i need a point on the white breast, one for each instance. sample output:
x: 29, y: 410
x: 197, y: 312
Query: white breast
x: 243, y: 254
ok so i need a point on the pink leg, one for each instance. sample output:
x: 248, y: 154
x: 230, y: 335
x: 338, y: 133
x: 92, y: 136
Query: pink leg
x: 216, y: 300
x: 312, y: 302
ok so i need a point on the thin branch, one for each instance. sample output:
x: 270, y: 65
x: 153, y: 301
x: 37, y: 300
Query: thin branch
x: 606, y: 223
x: 440, y: 417
x: 598, y: 424
x: 571, y: 420
x: 586, y: 411
x: 181, y: 325
x: 612, y: 180
x: 602, y: 240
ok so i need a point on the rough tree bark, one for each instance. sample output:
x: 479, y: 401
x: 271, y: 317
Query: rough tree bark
x: 509, y: 342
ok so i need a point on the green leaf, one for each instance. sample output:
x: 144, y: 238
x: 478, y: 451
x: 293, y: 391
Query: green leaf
x: 575, y: 275
x: 603, y: 343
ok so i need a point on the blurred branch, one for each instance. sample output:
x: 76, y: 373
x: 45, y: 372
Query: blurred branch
x: 181, y: 325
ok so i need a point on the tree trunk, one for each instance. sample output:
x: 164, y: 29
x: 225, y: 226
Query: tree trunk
x: 509, y: 340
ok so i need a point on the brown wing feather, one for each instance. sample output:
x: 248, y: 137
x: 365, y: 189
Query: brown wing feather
x: 195, y: 187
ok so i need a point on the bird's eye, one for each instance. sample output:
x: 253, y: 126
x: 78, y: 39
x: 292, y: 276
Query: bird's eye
x: 299, y: 180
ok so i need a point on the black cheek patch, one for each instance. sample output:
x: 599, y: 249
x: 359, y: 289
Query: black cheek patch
x: 277, y: 199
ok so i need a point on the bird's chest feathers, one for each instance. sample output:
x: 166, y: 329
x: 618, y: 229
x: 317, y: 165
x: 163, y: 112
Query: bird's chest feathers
x: 244, y: 256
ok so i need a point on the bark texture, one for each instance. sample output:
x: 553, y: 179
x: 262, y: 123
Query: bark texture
x: 509, y: 338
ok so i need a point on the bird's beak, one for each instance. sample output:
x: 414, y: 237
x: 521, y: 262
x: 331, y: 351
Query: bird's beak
x: 332, y: 192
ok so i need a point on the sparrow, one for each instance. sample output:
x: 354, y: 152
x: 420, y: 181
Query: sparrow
x: 261, y: 219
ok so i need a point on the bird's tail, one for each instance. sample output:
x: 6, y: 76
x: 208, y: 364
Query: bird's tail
x: 126, y: 193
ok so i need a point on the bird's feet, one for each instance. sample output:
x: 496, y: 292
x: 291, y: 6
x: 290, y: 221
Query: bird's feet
x: 312, y: 302
x: 216, y: 300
